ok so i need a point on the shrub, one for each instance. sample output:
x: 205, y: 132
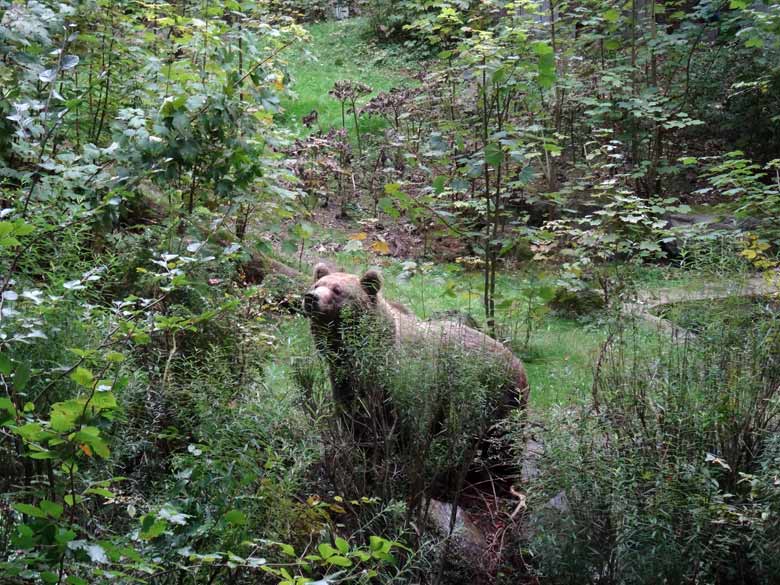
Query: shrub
x: 665, y: 474
x: 573, y: 302
x: 302, y: 10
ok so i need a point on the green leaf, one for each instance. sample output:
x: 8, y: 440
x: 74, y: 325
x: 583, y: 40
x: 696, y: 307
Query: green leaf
x: 108, y: 494
x: 546, y: 64
x: 23, y: 229
x: 72, y: 500
x: 493, y: 154
x: 151, y: 528
x: 339, y: 561
x: 236, y: 517
x: 49, y: 577
x: 31, y: 432
x: 21, y: 376
x: 30, y: 510
x: 342, y: 545
x: 326, y: 550
x: 103, y: 400
x: 287, y: 549
x: 24, y: 537
x: 542, y: 48
x: 383, y: 556
x: 65, y: 414
x: 52, y: 509
x: 611, y: 15
x: 195, y: 102
x: 5, y: 365
x: 82, y: 377
x: 64, y: 536
x: 8, y: 406
x: 387, y: 206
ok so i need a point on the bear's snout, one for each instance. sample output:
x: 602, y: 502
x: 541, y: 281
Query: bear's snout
x: 318, y: 300
x: 309, y: 303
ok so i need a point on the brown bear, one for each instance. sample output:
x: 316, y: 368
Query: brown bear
x: 336, y: 295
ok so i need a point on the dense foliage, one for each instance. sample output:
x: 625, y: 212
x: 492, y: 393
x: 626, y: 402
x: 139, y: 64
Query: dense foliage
x: 164, y: 416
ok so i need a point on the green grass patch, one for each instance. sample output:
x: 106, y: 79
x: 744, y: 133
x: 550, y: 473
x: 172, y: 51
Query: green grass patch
x: 560, y: 361
x: 339, y: 50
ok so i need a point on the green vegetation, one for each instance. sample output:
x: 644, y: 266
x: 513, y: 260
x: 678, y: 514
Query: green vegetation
x: 577, y: 181
x: 338, y: 51
x: 662, y: 460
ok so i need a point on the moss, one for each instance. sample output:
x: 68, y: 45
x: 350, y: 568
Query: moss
x: 575, y: 303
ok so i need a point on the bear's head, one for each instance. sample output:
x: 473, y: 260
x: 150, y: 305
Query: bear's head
x: 333, y: 292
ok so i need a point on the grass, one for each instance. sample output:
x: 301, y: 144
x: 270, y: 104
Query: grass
x: 339, y: 50
x: 719, y: 264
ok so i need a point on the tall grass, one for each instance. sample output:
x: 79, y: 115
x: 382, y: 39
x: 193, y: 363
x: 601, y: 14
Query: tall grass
x: 668, y: 473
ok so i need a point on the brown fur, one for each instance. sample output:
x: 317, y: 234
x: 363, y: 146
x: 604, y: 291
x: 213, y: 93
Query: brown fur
x: 333, y: 292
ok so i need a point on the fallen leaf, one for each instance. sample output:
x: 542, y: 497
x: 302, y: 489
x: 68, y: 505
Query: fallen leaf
x: 380, y: 247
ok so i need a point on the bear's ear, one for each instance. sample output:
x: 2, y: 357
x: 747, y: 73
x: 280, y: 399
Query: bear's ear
x: 321, y: 270
x: 371, y: 282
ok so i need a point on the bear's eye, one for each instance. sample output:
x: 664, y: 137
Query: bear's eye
x: 336, y: 290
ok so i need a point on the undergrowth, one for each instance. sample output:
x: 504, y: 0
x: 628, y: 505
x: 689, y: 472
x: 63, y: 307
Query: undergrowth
x: 668, y: 471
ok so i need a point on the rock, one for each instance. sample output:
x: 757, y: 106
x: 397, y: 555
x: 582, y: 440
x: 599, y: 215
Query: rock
x: 464, y: 549
x: 530, y: 466
x: 456, y: 317
x: 575, y: 303
x: 466, y: 536
x: 559, y: 502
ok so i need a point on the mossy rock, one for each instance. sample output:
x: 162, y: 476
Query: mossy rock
x: 576, y: 303
x: 455, y: 316
x: 521, y: 250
